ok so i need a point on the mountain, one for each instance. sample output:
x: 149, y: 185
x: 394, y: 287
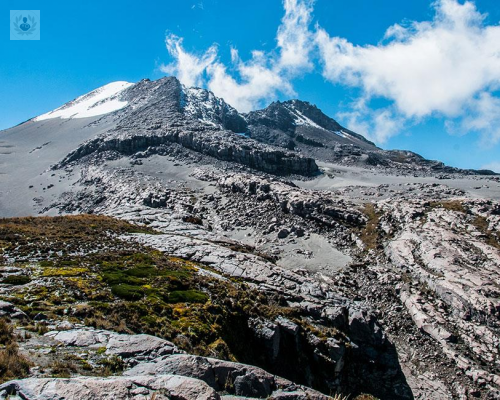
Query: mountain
x: 152, y: 233
x: 165, y: 111
x: 303, y: 122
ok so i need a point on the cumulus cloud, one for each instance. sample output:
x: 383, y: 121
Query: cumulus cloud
x: 259, y: 79
x: 294, y: 37
x: 484, y: 117
x: 439, y: 67
x: 448, y: 66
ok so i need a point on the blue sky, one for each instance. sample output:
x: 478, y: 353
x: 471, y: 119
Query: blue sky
x: 396, y: 88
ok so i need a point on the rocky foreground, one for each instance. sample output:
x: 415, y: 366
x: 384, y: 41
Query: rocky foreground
x: 411, y: 313
x: 68, y: 280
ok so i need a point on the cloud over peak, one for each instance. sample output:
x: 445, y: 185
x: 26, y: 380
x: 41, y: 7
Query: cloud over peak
x: 260, y: 78
x: 448, y: 66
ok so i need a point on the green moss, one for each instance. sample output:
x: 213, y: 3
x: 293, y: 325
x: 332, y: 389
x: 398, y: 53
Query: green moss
x: 46, y: 263
x: 187, y: 296
x: 17, y: 279
x: 127, y: 292
x: 142, y: 272
x: 116, y: 277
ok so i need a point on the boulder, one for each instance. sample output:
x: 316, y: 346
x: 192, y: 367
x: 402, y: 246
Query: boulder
x: 90, y: 388
x: 11, y: 311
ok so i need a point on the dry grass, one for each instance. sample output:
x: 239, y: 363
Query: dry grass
x: 13, y: 365
x: 6, y: 332
x: 62, y: 369
x: 46, y: 234
x: 482, y: 226
x: 369, y: 234
x: 450, y: 205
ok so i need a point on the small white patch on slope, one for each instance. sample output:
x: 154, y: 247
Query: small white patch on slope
x: 97, y: 102
x: 301, y: 119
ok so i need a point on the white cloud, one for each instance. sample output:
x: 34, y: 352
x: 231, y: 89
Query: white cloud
x: 259, y: 79
x: 438, y: 67
x: 294, y: 37
x: 484, y: 117
x: 447, y: 67
x: 376, y: 125
x: 189, y: 68
x: 258, y: 82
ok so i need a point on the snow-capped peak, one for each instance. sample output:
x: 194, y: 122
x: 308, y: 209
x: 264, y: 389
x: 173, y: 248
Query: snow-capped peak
x: 100, y: 101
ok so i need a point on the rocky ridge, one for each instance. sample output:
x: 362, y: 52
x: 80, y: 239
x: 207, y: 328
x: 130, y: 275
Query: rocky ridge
x: 163, y: 114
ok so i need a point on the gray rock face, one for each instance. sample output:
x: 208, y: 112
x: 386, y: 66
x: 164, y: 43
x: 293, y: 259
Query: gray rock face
x: 222, y: 145
x: 204, y: 106
x: 131, y: 348
x: 453, y: 297
x: 299, y: 125
x: 237, y: 379
x: 131, y: 387
x: 319, y: 207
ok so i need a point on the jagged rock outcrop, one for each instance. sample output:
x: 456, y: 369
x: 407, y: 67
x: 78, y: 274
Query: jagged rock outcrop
x: 319, y: 207
x: 132, y: 348
x: 237, y: 379
x: 222, y: 145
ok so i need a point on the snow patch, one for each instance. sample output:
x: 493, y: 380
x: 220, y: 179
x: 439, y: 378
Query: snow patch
x: 301, y: 119
x: 97, y: 102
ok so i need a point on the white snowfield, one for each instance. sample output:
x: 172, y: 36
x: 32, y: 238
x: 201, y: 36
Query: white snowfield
x: 97, y: 102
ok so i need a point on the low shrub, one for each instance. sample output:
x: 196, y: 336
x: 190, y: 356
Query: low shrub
x: 6, y: 332
x: 13, y: 365
x: 127, y: 292
x: 17, y: 279
x: 186, y: 296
